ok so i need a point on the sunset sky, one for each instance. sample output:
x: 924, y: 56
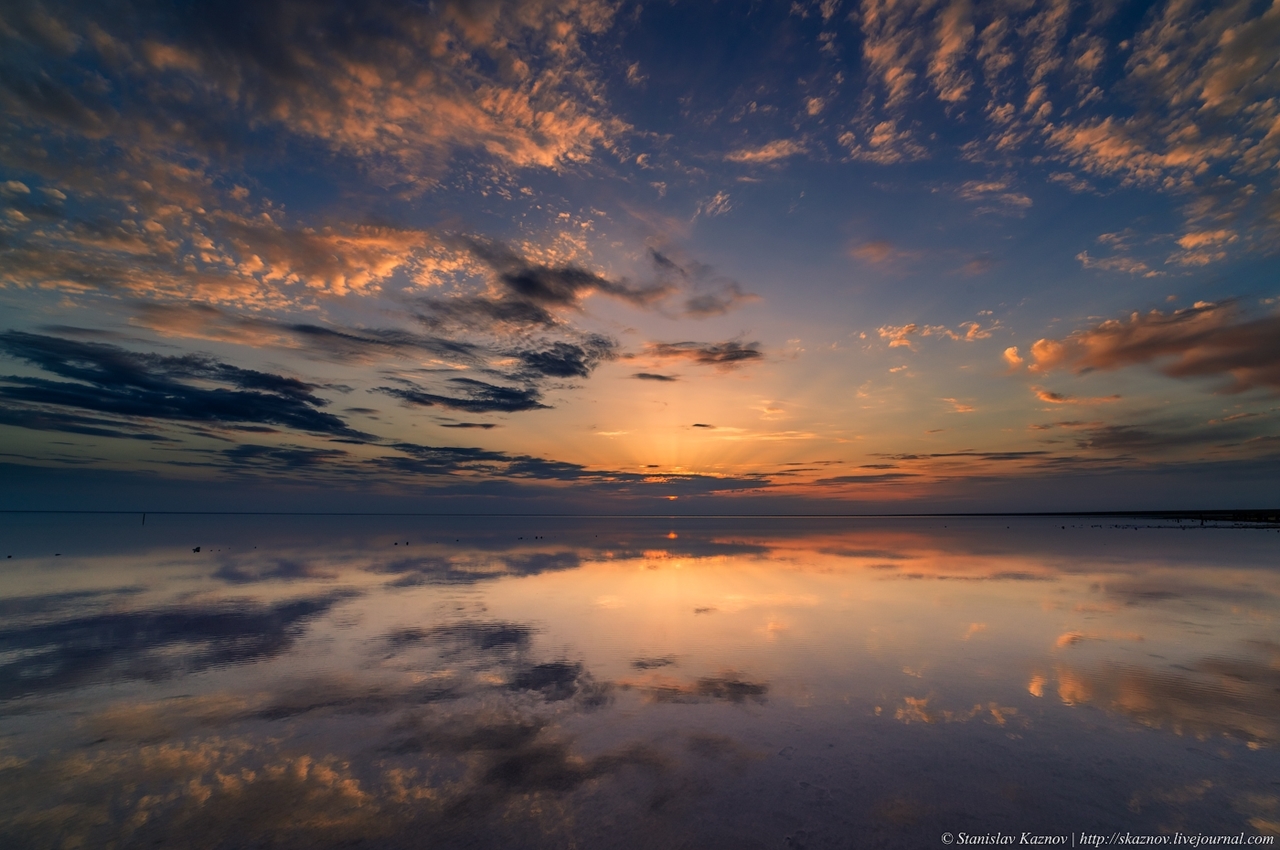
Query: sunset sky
x: 639, y: 256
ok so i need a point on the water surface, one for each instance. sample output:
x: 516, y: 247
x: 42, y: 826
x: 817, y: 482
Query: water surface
x: 535, y: 682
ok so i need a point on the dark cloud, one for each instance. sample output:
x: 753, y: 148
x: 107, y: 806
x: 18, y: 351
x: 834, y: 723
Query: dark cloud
x: 722, y: 355
x: 538, y: 360
x: 345, y: 343
x: 113, y: 645
x: 566, y: 360
x: 878, y: 478
x: 70, y: 423
x: 475, y: 396
x: 653, y: 376
x: 476, y: 312
x: 109, y: 379
x: 282, y: 458
x: 483, y: 425
x: 997, y: 456
x: 557, y: 286
x: 727, y: 297
x: 712, y: 296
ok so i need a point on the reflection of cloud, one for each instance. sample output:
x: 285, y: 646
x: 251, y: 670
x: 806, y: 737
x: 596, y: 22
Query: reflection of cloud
x: 470, y: 636
x: 918, y: 710
x: 239, y: 571
x: 84, y: 650
x: 1238, y: 697
x: 726, y: 687
x: 470, y: 568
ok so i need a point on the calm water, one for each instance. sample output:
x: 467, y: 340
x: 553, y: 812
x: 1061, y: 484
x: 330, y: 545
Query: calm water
x: 409, y: 682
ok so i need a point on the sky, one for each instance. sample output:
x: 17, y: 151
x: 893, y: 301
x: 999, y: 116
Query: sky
x: 639, y: 257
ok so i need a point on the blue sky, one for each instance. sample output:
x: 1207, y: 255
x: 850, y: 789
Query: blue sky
x: 640, y: 256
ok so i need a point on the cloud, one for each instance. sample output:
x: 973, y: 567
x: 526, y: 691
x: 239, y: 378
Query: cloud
x: 1207, y: 340
x: 771, y: 152
x: 71, y: 423
x: 722, y: 355
x: 995, y: 196
x: 712, y: 295
x: 954, y: 35
x: 1120, y: 263
x: 653, y: 376
x: 1060, y: 398
x: 728, y: 297
x: 473, y: 396
x: 883, y: 143
x: 556, y: 286
x: 879, y: 252
x: 717, y: 205
x: 536, y: 360
x: 112, y: 380
x: 566, y: 360
x: 875, y: 478
x: 1186, y: 104
x: 897, y: 334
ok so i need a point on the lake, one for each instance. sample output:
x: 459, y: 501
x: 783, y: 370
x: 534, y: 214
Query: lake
x: 530, y: 682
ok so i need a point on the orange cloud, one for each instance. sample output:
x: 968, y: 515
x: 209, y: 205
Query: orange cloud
x: 1207, y: 340
x: 1059, y: 398
x: 772, y: 152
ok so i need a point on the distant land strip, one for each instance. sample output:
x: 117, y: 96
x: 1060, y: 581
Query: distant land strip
x: 1261, y: 515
